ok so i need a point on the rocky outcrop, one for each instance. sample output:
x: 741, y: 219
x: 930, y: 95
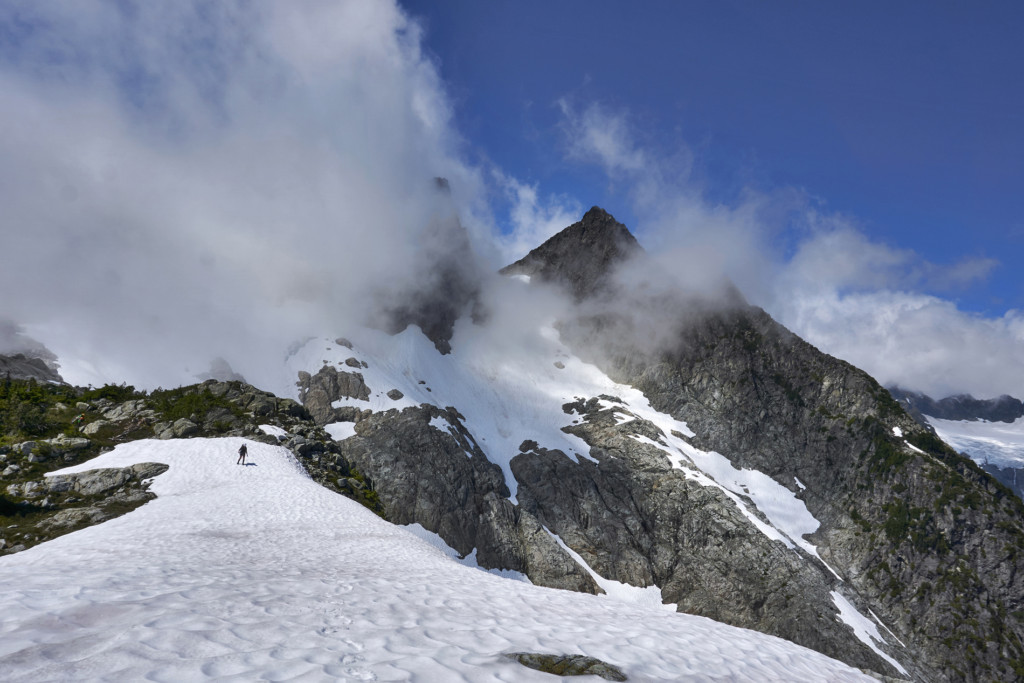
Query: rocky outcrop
x: 568, y: 665
x: 67, y: 502
x: 439, y: 478
x: 42, y: 508
x: 635, y: 518
x: 318, y: 392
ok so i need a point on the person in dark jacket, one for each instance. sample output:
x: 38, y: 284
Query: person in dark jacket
x: 242, y: 452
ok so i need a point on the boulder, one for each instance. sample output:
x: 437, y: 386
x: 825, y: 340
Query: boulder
x: 93, y: 428
x: 183, y: 428
x: 66, y: 443
x: 568, y: 665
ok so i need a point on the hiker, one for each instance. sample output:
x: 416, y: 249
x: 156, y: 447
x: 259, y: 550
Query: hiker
x: 242, y: 452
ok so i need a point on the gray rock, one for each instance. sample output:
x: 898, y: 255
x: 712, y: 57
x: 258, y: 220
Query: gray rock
x: 74, y: 518
x: 582, y: 256
x: 184, y: 428
x: 24, y: 448
x: 147, y: 470
x: 32, y: 489
x: 395, y: 395
x: 568, y: 665
x: 60, y: 483
x: 319, y: 391
x: 341, y: 341
x: 11, y: 470
x: 95, y: 482
x: 126, y: 410
x: 66, y: 443
x: 93, y: 428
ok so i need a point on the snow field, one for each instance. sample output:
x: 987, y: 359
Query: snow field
x: 997, y: 443
x: 255, y: 572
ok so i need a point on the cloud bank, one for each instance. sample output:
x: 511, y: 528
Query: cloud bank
x: 188, y: 180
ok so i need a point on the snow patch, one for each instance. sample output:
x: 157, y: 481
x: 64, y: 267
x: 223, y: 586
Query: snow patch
x: 435, y: 540
x: 441, y: 424
x: 897, y: 432
x: 273, y: 430
x: 340, y: 431
x: 865, y: 629
x: 616, y: 590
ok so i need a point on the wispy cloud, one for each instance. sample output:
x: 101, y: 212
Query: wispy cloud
x: 868, y: 302
x: 603, y: 136
x: 533, y: 218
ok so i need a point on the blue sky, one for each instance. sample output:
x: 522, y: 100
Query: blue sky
x: 177, y: 176
x: 906, y: 117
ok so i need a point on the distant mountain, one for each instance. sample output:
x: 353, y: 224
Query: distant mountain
x: 960, y: 407
x: 989, y: 431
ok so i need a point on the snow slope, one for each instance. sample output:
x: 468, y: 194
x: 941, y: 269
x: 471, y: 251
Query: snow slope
x: 507, y: 385
x: 256, y: 572
x: 996, y: 443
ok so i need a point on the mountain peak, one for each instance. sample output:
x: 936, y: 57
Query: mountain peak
x: 581, y: 256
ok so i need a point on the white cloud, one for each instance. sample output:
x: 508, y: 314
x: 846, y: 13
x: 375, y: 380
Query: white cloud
x: 915, y: 341
x: 189, y: 180
x: 533, y: 219
x: 600, y: 135
x: 856, y: 298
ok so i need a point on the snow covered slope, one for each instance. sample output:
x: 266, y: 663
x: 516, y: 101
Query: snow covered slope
x: 511, y: 387
x: 244, y: 572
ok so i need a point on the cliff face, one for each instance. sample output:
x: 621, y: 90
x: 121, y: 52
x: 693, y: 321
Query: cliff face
x: 904, y: 529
